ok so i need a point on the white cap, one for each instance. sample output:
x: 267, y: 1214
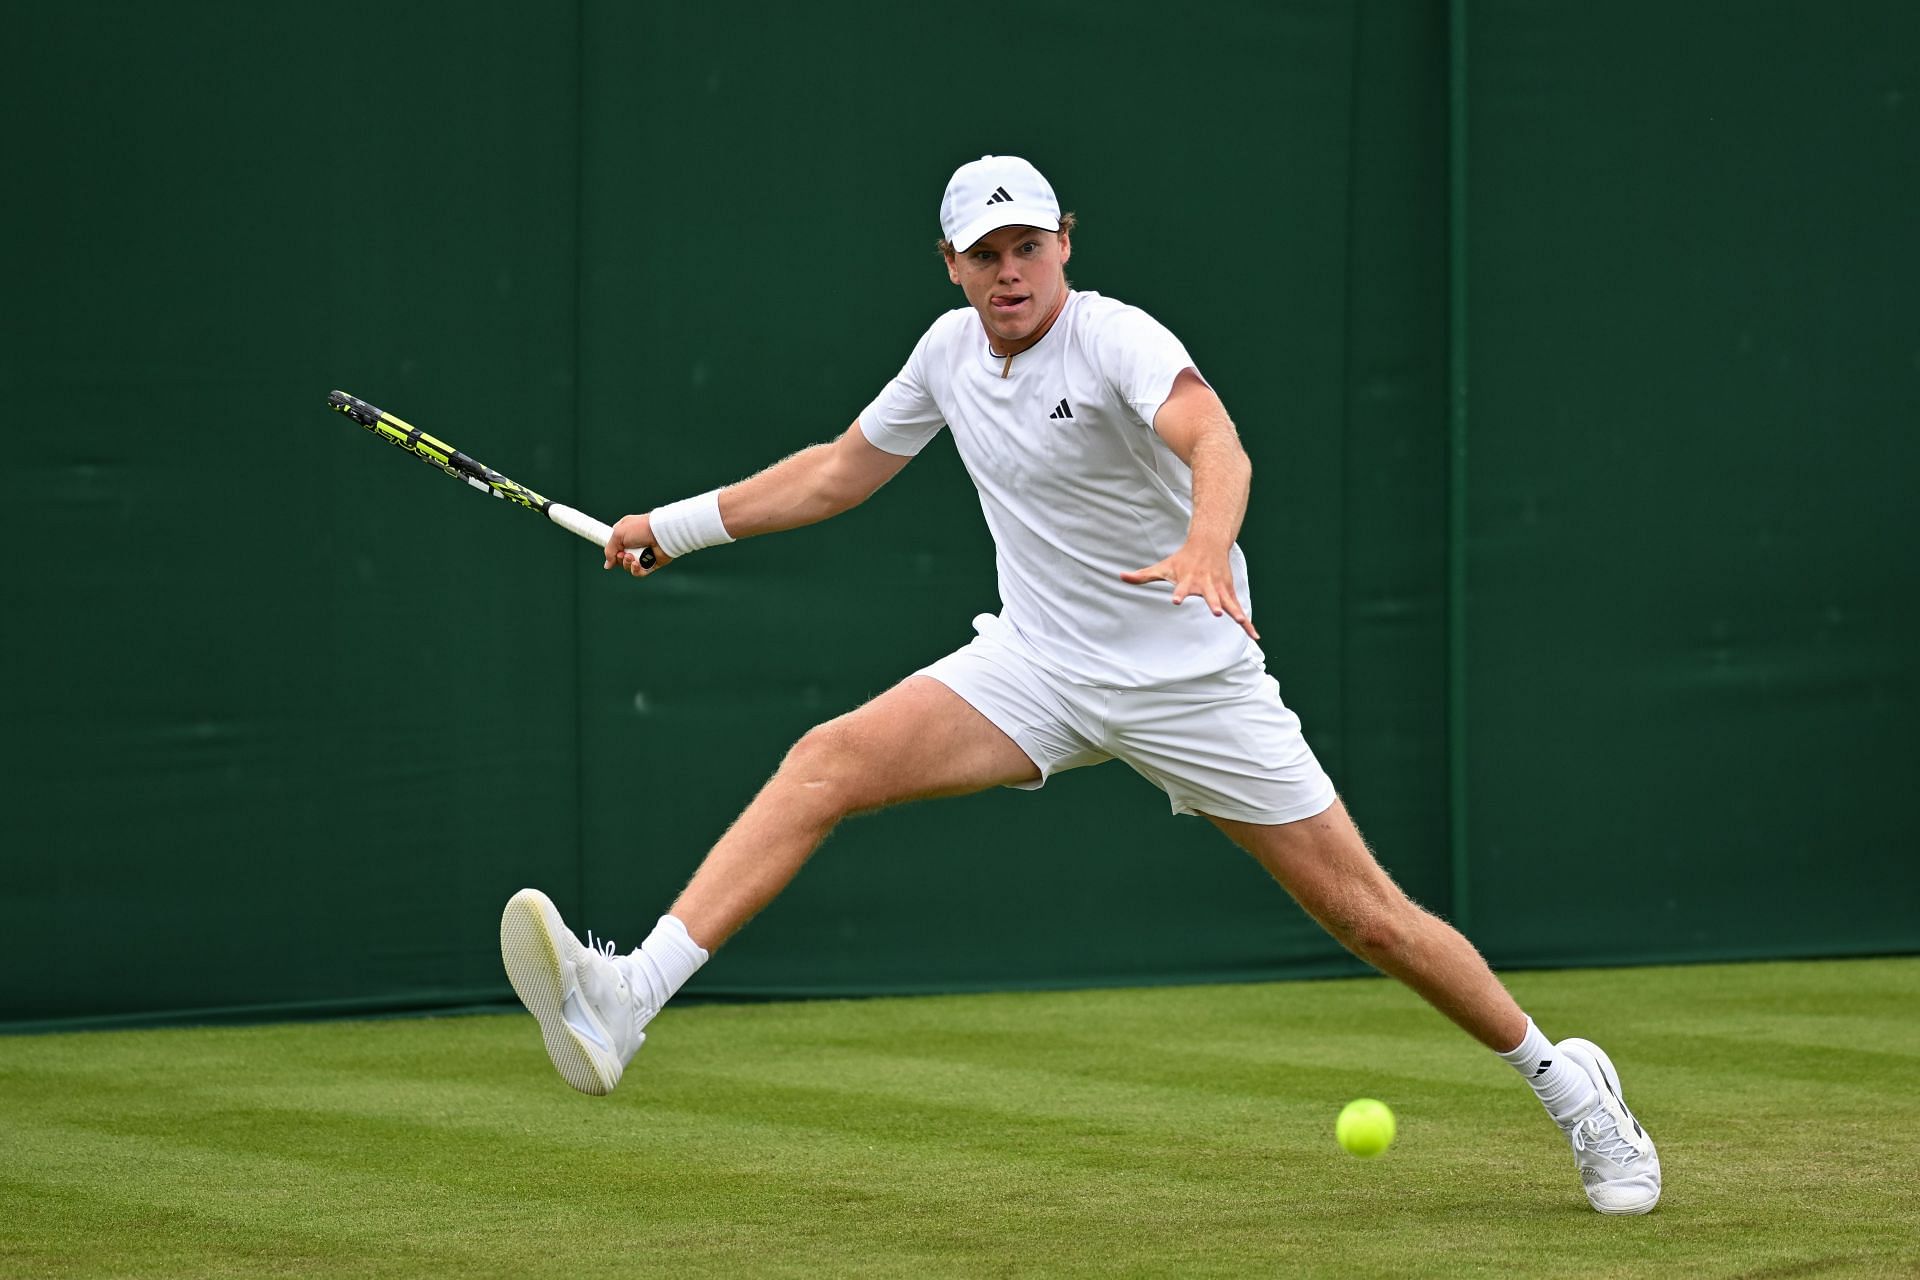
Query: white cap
x: 994, y: 192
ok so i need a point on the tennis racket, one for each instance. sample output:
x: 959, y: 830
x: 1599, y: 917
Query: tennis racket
x: 458, y: 465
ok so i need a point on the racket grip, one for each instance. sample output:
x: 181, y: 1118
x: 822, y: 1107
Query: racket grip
x: 585, y: 526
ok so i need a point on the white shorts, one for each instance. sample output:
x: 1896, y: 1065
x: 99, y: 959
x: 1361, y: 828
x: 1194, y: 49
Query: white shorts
x: 1224, y: 746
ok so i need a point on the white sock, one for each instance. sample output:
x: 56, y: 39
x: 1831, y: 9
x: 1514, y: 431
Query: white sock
x: 1563, y: 1088
x: 665, y: 961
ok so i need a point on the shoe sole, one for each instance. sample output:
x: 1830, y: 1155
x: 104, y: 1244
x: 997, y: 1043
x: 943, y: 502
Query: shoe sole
x: 530, y: 947
x: 1610, y: 1080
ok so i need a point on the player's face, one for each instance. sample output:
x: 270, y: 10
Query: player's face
x: 1016, y: 278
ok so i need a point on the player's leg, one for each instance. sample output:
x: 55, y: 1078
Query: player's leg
x: 1325, y: 864
x: 918, y: 739
x: 1327, y: 867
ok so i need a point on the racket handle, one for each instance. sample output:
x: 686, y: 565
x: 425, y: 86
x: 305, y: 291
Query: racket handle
x: 585, y: 526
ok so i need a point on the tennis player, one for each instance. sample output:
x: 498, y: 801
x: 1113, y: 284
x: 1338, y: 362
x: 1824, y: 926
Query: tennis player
x: 1113, y: 483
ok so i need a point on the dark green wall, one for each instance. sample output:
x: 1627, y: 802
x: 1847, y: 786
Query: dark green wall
x: 1694, y: 351
x: 283, y: 709
x: 289, y: 717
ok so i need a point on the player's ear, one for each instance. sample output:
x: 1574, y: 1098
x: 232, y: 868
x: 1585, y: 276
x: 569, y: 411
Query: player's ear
x: 953, y: 260
x: 1066, y: 245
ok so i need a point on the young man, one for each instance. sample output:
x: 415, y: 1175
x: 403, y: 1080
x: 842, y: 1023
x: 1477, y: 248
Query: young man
x: 1094, y: 444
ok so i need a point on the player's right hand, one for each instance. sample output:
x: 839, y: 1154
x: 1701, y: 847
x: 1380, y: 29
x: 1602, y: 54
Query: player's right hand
x: 632, y: 535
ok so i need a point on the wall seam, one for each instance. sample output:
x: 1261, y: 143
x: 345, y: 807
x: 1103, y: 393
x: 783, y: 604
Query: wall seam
x: 1349, y: 270
x: 1458, y: 829
x: 576, y: 613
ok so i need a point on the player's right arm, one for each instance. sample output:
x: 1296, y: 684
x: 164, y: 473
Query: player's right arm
x: 802, y: 489
x: 809, y: 486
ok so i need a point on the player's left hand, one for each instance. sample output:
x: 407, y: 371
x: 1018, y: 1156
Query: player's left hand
x: 1198, y: 573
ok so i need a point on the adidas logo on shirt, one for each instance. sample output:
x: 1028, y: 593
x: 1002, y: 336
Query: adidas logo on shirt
x: 999, y: 196
x: 1062, y: 410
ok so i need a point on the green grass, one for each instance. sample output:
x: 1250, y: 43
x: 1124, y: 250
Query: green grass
x: 1113, y: 1133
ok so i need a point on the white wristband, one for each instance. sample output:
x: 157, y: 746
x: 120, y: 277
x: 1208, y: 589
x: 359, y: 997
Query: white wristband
x: 688, y: 525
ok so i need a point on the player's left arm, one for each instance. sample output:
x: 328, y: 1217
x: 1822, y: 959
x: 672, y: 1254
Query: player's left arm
x: 1196, y: 427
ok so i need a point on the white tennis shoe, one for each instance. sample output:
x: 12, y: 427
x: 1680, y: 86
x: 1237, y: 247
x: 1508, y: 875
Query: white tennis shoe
x: 590, y: 1012
x: 1617, y: 1162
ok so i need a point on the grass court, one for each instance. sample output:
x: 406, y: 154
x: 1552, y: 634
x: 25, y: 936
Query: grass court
x: 1156, y: 1132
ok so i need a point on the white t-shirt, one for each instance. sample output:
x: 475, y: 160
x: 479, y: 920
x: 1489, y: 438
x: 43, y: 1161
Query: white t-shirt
x: 1076, y: 486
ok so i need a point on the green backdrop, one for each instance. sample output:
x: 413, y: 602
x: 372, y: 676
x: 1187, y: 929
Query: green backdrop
x: 1693, y: 362
x: 1574, y: 348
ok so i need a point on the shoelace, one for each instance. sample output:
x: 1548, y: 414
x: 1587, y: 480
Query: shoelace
x: 1605, y: 1140
x: 628, y: 1001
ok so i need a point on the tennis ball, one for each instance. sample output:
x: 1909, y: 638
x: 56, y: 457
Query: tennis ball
x: 1365, y: 1127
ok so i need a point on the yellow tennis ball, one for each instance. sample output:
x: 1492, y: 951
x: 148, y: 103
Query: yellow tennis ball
x: 1365, y: 1127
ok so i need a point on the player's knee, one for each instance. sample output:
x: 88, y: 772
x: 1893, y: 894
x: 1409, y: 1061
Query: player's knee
x: 1377, y: 937
x: 1380, y: 932
x: 823, y: 771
